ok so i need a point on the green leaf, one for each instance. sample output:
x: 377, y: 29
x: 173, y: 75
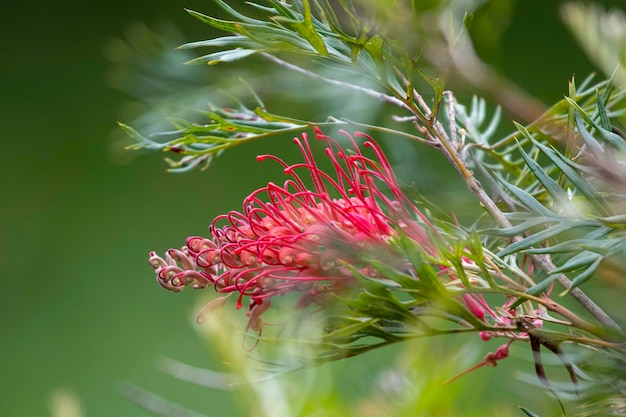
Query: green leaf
x: 234, y: 13
x: 526, y: 199
x: 308, y: 31
x: 536, y: 289
x: 493, y: 124
x: 261, y: 32
x: 369, y: 284
x: 235, y: 41
x: 576, y: 245
x: 382, y: 307
x: 601, y: 99
x: 347, y: 333
x: 328, y: 14
x: 457, y: 262
x: 582, y: 259
x: 282, y: 9
x: 577, y: 180
x: 428, y: 277
x: 276, y: 37
x: 616, y: 222
x: 611, y: 138
x: 374, y: 47
x: 268, y: 10
x: 224, y: 25
x: 548, y: 183
x: 528, y: 412
x: 223, y: 56
x: 542, y: 236
x: 522, y: 227
x: 475, y: 246
x: 142, y: 141
x: 584, y: 276
x: 269, y: 117
x: 402, y: 279
x: 593, y: 145
x: 436, y: 83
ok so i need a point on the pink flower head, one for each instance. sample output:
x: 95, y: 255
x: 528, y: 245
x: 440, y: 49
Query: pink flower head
x: 299, y: 237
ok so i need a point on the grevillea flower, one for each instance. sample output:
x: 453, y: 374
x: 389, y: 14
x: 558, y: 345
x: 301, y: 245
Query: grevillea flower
x: 300, y: 237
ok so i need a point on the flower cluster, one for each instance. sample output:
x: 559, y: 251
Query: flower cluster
x: 306, y: 236
x: 309, y: 236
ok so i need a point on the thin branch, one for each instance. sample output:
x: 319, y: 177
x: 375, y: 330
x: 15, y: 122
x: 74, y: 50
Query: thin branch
x: 369, y: 92
x: 546, y: 264
x: 383, y: 130
x: 416, y: 96
x: 451, y: 115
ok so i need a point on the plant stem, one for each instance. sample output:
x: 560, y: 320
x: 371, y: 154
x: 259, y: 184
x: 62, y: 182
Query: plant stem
x: 369, y: 92
x: 546, y: 264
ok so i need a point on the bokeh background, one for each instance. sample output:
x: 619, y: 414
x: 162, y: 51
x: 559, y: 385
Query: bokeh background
x: 79, y: 308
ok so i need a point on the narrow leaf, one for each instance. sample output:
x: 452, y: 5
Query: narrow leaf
x: 584, y: 276
x: 428, y: 277
x: 309, y: 31
x: 223, y: 56
x: 269, y: 117
x: 613, y: 139
x: 528, y: 412
x: 602, y: 247
x: 617, y: 222
x: 282, y: 8
x: 493, y: 124
x: 540, y: 237
x: 522, y: 227
x: 526, y: 199
x: 348, y: 332
x: 142, y: 141
x: 236, y: 41
x: 537, y: 288
x: 234, y: 127
x: 605, y: 123
x: 548, y: 183
x: 582, y: 259
x: 234, y: 13
x: 224, y: 25
x: 276, y: 37
x: 593, y: 145
x: 577, y: 180
x: 475, y: 246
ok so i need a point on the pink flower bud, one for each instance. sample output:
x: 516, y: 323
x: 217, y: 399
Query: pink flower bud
x: 474, y: 306
x: 485, y: 336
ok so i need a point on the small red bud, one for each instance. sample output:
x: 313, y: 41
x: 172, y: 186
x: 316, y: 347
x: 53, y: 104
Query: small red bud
x: 485, y: 336
x: 474, y: 306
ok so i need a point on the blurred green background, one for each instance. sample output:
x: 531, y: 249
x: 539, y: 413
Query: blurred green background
x: 79, y: 307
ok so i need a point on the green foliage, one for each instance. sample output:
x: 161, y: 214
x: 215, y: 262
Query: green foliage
x: 198, y: 144
x: 551, y: 215
x: 562, y: 212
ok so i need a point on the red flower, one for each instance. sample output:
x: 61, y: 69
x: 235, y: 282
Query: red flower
x: 298, y: 238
